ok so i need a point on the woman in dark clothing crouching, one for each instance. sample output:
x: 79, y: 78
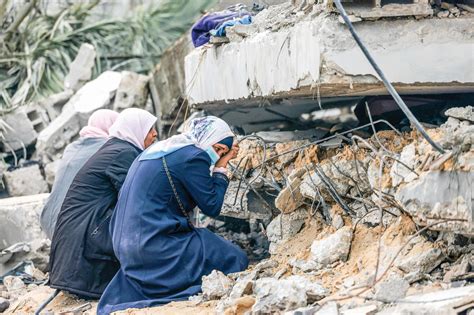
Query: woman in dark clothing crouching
x: 162, y: 256
x: 82, y: 260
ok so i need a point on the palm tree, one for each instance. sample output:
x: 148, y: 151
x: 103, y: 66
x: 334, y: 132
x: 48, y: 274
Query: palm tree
x: 35, y: 56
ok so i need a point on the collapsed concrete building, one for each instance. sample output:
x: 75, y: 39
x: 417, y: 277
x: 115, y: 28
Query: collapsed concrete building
x: 341, y: 206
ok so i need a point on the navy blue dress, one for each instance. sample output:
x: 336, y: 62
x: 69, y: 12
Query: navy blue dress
x: 162, y: 256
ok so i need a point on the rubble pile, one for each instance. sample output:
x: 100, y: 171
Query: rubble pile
x: 375, y: 225
x: 364, y: 222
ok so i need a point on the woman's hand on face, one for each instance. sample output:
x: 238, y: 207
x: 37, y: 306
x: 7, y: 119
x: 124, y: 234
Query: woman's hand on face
x: 232, y: 154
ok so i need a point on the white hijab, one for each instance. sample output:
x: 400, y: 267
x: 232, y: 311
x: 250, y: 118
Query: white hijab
x: 133, y: 125
x: 202, y: 132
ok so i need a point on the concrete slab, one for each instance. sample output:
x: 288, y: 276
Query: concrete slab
x: 318, y: 55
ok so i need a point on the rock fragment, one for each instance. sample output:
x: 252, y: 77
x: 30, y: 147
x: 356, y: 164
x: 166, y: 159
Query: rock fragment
x: 132, y: 91
x: 80, y: 70
x: 334, y: 248
x: 285, y: 294
x: 20, y: 131
x: 94, y: 95
x: 25, y: 181
x: 462, y: 113
x: 391, y: 290
x: 285, y: 226
x: 14, y: 285
x: 4, y: 304
x: 216, y: 285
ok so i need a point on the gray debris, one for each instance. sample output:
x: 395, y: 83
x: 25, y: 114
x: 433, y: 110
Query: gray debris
x: 441, y: 195
x: 132, y: 91
x: 50, y: 172
x: 391, y: 290
x: 13, y: 284
x: 330, y: 308
x: 285, y: 226
x: 399, y: 172
x: 439, y: 302
x: 54, y: 104
x: 286, y: 294
x: 333, y: 248
x: 4, y: 304
x: 20, y: 132
x: 25, y: 181
x: 462, y: 267
x: 95, y: 95
x: 80, y: 70
x: 463, y: 113
x: 418, y: 264
x: 216, y: 285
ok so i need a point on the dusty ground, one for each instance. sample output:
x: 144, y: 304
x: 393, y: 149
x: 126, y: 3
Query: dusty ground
x: 358, y: 269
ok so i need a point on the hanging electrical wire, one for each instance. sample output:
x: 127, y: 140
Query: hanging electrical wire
x: 387, y: 83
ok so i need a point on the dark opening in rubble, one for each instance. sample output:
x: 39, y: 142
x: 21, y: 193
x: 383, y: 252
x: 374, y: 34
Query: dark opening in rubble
x: 248, y: 235
x: 384, y: 2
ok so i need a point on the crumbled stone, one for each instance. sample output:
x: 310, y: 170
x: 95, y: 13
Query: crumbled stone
x: 80, y: 70
x: 14, y: 284
x: 50, y: 172
x: 462, y: 113
x: 285, y: 294
x: 94, y: 95
x: 4, y: 304
x: 25, y: 181
x: 391, y: 290
x: 20, y: 132
x: 437, y: 196
x: 216, y: 285
x: 399, y: 171
x: 459, y: 269
x: 285, y: 226
x: 132, y: 91
x: 290, y: 198
x: 420, y: 261
x: 333, y: 248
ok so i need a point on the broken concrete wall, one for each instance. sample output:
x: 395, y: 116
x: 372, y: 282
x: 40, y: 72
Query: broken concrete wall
x: 296, y: 54
x: 21, y: 237
x: 94, y: 95
x: 167, y: 84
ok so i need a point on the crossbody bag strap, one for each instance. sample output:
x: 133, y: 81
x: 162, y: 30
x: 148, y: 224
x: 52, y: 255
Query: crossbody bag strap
x: 180, y: 204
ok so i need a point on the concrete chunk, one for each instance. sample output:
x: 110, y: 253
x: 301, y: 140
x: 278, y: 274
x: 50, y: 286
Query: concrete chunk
x: 333, y: 248
x: 132, y: 91
x: 216, y: 285
x: 94, y: 95
x: 20, y: 131
x: 286, y: 294
x: 80, y: 70
x: 25, y: 181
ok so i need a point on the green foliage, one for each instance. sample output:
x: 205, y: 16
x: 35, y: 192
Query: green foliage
x: 34, y: 62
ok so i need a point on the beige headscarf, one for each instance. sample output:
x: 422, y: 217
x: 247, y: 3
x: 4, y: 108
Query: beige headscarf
x: 132, y: 125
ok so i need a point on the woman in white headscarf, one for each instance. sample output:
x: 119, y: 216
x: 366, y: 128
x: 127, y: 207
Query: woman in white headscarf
x: 76, y: 154
x: 162, y: 256
x: 82, y: 260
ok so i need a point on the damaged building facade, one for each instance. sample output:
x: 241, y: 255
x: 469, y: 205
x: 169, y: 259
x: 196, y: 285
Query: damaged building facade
x: 340, y: 205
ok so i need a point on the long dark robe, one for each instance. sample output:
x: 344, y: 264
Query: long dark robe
x: 162, y: 256
x: 74, y: 157
x: 82, y: 260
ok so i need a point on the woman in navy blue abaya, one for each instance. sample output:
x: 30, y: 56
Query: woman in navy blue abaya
x: 162, y: 256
